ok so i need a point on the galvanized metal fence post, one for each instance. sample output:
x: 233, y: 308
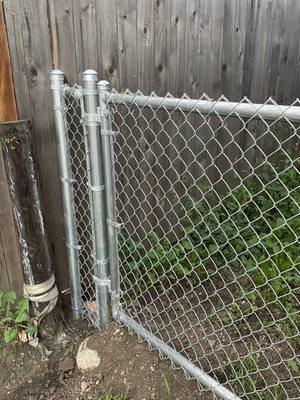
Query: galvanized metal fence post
x: 96, y: 186
x: 57, y: 81
x: 109, y: 173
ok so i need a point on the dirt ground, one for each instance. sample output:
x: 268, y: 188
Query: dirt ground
x: 125, y: 364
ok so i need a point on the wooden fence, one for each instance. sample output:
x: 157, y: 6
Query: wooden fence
x: 10, y: 260
x: 232, y: 47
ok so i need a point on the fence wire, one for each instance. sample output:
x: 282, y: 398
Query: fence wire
x: 209, y: 241
x: 80, y: 170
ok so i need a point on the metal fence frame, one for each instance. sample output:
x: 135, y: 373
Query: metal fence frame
x: 97, y: 122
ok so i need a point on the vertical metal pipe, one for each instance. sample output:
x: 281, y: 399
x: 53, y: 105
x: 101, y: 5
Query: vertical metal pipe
x: 59, y: 106
x: 109, y: 173
x: 96, y: 185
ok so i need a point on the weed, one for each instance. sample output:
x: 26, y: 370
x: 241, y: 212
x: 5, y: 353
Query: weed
x: 253, y: 230
x: 167, y: 385
x: 14, y: 316
x: 246, y: 373
x: 252, y: 233
x: 122, y: 396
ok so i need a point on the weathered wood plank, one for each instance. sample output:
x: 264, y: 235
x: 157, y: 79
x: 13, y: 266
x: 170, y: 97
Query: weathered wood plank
x: 162, y: 46
x: 263, y: 39
x: 162, y: 59
x: 289, y: 54
x: 192, y: 44
x: 145, y: 46
x: 4, y: 282
x: 216, y: 44
x: 204, y: 46
x: 33, y: 18
x: 146, y: 82
x: 17, y: 58
x: 62, y: 37
x: 250, y: 26
x: 11, y: 276
x: 86, y: 35
x: 176, y: 132
x: 261, y: 57
x: 108, y: 41
x: 127, y: 43
x: 8, y: 108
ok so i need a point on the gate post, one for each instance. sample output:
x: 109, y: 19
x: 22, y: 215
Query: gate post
x: 59, y: 106
x: 109, y: 174
x: 96, y: 186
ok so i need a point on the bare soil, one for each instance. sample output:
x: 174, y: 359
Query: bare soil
x: 125, y: 364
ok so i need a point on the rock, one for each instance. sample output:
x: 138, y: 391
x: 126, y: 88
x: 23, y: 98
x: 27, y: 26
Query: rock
x: 83, y: 386
x: 87, y: 359
x: 66, y: 364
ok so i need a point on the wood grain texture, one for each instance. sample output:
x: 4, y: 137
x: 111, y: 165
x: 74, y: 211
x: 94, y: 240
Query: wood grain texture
x: 108, y: 42
x: 127, y: 43
x: 11, y: 275
x: 32, y: 47
x: 8, y: 108
x: 86, y: 31
x: 62, y: 37
x: 232, y: 47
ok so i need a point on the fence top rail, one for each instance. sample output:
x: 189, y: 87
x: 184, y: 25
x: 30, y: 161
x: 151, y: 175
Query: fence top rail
x: 223, y: 107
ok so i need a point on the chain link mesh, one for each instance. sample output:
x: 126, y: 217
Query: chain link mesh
x: 209, y: 238
x: 209, y: 249
x: 80, y: 170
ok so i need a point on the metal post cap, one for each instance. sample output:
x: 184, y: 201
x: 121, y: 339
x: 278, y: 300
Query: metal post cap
x: 57, y: 75
x: 90, y: 75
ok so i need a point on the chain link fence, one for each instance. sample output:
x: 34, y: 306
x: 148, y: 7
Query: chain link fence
x: 207, y: 198
x: 79, y: 170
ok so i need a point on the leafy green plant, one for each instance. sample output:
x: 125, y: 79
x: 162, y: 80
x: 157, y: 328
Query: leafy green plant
x: 250, y: 234
x: 14, y: 316
x: 246, y: 373
x: 253, y: 229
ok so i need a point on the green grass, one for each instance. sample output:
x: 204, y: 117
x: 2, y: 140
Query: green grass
x: 122, y: 396
x: 167, y: 385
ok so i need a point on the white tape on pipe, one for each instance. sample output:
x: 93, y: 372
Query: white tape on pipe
x: 45, y: 292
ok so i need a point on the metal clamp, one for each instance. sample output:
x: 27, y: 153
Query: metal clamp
x: 90, y: 119
x: 114, y: 295
x: 114, y: 224
x: 100, y: 262
x: 58, y: 108
x: 95, y: 188
x: 102, y: 282
x: 102, y: 113
x: 67, y: 180
x: 108, y: 132
x: 73, y: 246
